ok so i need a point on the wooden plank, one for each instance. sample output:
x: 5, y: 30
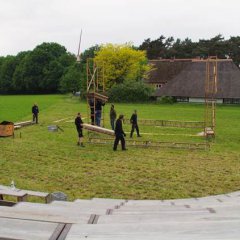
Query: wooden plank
x: 170, y: 123
x: 97, y: 96
x: 36, y: 194
x: 44, y: 195
x: 46, y: 216
x: 25, y: 229
x: 155, y: 231
x: 6, y: 238
x: 98, y: 129
x: 21, y: 195
x: 153, y: 144
x: 64, y: 207
x: 25, y: 123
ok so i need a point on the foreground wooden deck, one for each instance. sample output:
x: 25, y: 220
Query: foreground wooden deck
x: 213, y: 217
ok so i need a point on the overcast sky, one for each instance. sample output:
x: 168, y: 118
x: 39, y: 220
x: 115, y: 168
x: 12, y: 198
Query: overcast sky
x: 24, y: 24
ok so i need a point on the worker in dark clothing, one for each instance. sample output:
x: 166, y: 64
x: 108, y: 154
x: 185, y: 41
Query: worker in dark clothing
x: 113, y: 116
x: 98, y: 113
x: 119, y: 134
x: 134, y: 123
x: 79, y: 126
x: 35, y: 111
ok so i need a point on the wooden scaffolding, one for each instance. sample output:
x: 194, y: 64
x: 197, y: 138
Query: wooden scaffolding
x: 95, y: 90
x: 210, y: 96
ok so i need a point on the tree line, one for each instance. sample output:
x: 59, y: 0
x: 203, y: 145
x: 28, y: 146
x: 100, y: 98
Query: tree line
x: 36, y: 71
x: 168, y: 48
x: 49, y: 68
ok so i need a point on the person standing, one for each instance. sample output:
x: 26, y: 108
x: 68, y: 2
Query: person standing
x: 79, y: 126
x: 119, y: 134
x: 35, y: 112
x: 134, y: 123
x: 98, y: 113
x: 113, y: 116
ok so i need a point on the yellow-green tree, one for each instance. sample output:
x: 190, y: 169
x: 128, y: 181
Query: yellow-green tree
x: 122, y: 63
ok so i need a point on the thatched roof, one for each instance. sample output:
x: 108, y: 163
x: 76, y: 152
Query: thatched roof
x: 190, y: 80
x: 165, y: 70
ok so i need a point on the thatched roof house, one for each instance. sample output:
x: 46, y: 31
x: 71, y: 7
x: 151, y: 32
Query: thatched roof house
x: 185, y: 79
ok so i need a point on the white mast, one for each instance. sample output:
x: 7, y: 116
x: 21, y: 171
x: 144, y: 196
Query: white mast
x: 78, y: 54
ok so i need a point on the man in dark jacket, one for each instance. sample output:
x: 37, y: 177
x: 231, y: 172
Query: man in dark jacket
x: 35, y: 111
x: 78, y: 123
x: 119, y: 134
x: 134, y: 123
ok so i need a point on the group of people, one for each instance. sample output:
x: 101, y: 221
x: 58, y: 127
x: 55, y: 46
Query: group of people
x: 120, y: 134
x: 115, y: 124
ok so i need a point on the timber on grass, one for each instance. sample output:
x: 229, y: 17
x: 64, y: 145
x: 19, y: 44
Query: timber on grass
x: 154, y: 144
x: 170, y: 123
x: 23, y: 124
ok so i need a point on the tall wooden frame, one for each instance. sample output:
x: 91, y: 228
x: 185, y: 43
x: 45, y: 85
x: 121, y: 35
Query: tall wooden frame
x: 210, y: 96
x: 95, y: 89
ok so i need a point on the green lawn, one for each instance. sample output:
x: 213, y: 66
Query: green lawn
x: 42, y: 160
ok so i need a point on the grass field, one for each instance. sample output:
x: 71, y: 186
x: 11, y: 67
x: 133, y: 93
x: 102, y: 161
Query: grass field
x: 47, y: 161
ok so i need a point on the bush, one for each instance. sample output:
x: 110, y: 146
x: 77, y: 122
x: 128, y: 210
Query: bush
x: 166, y: 99
x: 130, y: 92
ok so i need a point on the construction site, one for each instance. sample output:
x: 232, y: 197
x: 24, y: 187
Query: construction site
x: 119, y: 120
x: 206, y: 126
x: 113, y: 181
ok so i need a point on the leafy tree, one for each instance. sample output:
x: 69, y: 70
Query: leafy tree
x: 155, y: 48
x: 18, y: 80
x: 170, y: 48
x: 89, y: 53
x: 233, y: 49
x: 44, y: 66
x: 122, y: 63
x: 158, y: 48
x: 70, y: 81
x: 7, y: 70
x: 215, y: 46
x: 130, y: 91
x: 74, y: 77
